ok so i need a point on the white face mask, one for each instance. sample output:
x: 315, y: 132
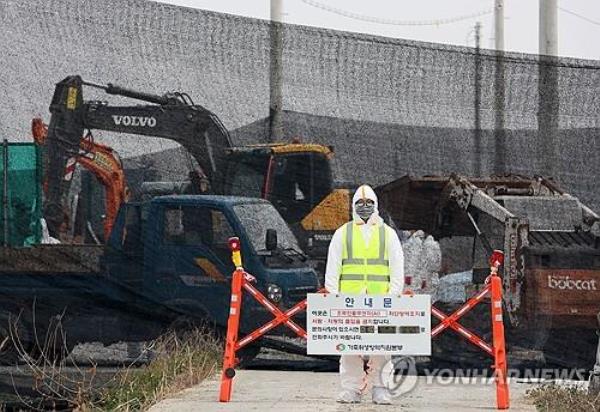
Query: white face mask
x: 364, y: 209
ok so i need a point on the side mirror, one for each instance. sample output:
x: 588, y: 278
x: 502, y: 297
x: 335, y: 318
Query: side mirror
x: 271, y: 239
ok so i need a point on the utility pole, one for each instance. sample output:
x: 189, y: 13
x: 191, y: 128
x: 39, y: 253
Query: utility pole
x: 499, y: 90
x: 477, y: 103
x: 499, y: 25
x: 548, y: 27
x: 276, y: 72
x: 548, y: 106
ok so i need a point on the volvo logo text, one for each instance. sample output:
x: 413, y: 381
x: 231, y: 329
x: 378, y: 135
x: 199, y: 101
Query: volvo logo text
x: 134, y: 121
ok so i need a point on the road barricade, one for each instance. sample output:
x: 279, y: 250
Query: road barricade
x: 242, y: 281
x: 497, y: 350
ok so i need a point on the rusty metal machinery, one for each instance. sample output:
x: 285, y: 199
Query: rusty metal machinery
x: 550, y: 239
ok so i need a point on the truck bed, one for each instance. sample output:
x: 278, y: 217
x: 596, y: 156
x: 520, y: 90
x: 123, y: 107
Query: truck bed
x: 48, y: 282
x: 55, y: 259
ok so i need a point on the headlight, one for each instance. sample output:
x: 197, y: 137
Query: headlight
x: 274, y: 293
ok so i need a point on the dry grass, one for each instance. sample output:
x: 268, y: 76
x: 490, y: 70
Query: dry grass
x: 180, y: 362
x: 552, y: 398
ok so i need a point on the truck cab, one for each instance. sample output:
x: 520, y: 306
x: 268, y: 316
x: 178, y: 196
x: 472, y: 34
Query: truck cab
x: 298, y: 179
x: 175, y: 250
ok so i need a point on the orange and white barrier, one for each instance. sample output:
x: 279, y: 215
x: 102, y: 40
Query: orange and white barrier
x: 497, y: 350
x: 242, y: 281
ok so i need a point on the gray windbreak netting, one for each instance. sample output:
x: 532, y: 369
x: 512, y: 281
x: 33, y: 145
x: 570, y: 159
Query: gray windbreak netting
x: 389, y: 107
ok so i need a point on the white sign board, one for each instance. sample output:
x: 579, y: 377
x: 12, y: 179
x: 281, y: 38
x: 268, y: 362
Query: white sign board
x: 368, y: 324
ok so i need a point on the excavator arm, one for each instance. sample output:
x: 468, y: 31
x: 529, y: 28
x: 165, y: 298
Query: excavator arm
x: 473, y: 199
x: 447, y: 206
x: 102, y: 161
x: 171, y: 116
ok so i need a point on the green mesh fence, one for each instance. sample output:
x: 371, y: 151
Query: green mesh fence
x: 20, y: 187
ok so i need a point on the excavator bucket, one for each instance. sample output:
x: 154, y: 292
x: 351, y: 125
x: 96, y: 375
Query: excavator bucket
x: 423, y: 203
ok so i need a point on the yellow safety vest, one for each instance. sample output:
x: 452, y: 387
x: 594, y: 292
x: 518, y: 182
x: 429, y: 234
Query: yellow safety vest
x: 364, y: 268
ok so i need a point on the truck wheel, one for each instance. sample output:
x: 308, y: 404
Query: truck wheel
x: 15, y: 338
x: 247, y: 354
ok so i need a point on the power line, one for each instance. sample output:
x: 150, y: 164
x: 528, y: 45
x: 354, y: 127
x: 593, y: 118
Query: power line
x: 379, y: 20
x: 582, y: 17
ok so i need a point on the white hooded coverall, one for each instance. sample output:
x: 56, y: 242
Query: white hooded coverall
x: 352, y: 375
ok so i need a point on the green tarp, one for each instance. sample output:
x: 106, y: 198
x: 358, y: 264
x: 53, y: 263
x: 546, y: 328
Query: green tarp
x: 21, y: 195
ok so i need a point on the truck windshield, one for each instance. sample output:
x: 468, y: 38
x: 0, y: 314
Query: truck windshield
x: 257, y: 218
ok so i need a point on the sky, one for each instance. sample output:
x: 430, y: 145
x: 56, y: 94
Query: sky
x: 577, y: 34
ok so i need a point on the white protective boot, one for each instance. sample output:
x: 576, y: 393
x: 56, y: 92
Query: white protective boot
x: 381, y: 396
x: 380, y: 370
x: 348, y: 396
x: 351, y: 378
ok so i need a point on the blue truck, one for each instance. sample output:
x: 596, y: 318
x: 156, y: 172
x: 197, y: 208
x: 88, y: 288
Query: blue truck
x: 165, y: 265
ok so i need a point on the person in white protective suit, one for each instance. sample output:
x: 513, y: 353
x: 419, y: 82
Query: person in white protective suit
x: 365, y: 257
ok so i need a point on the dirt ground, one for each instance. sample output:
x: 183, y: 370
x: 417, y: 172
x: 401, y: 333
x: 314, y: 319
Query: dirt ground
x: 256, y: 390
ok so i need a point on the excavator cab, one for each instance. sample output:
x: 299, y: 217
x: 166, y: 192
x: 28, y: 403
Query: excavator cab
x: 298, y: 179
x: 298, y: 182
x: 294, y: 177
